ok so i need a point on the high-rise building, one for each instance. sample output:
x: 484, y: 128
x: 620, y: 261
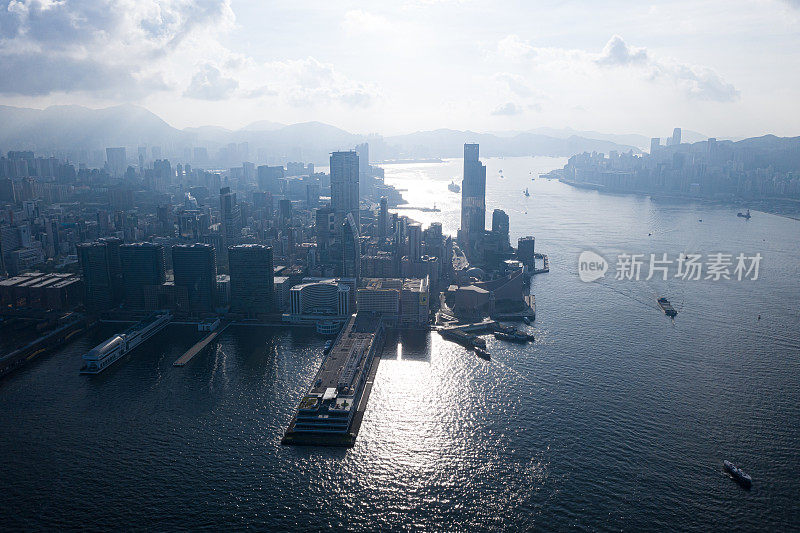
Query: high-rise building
x: 473, y: 199
x: 116, y: 161
x: 102, y: 273
x: 655, y: 144
x: 269, y: 178
x: 526, y: 246
x: 344, y: 186
x: 363, y: 158
x: 383, y: 218
x: 195, y: 267
x: 351, y: 249
x: 326, y: 230
x: 500, y: 226
x: 143, y: 264
x: 676, y: 137
x: 252, y: 278
x: 229, y: 211
x: 414, y: 242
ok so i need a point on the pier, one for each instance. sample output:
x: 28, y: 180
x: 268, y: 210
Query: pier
x: 545, y: 266
x: 330, y: 413
x: 198, y: 347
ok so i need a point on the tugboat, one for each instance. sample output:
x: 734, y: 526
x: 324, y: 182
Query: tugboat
x: 482, y: 353
x: 738, y: 474
x: 744, y: 215
x: 454, y: 187
x: 526, y: 193
x: 667, y: 307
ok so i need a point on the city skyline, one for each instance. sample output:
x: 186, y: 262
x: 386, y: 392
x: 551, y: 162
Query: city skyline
x: 426, y: 65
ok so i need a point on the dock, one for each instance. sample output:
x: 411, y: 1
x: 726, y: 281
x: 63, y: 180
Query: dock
x: 198, y: 347
x: 545, y: 266
x: 330, y: 413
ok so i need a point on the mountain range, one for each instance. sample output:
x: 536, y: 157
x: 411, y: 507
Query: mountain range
x: 70, y: 128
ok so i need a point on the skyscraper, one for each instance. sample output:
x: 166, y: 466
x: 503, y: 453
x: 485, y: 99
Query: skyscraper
x: 351, y: 249
x: 252, y: 278
x: 414, y: 242
x: 143, y: 264
x: 676, y: 137
x: 655, y: 144
x: 195, y: 267
x: 100, y: 266
x: 473, y: 199
x: 344, y: 186
x: 383, y: 218
x: 229, y: 211
x: 116, y: 161
x: 500, y: 226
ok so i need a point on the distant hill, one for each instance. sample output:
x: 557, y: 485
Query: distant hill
x: 263, y: 125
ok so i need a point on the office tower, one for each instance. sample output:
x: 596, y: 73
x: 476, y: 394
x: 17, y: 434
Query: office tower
x: 101, y: 269
x: 162, y: 175
x: 351, y: 249
x: 269, y: 178
x: 383, y: 218
x: 325, y: 227
x: 500, y: 226
x: 285, y: 210
x: 116, y: 161
x: 252, y: 278
x: 363, y: 158
x: 676, y: 137
x: 414, y: 242
x: 229, y: 212
x: 143, y: 264
x: 473, y: 199
x: 655, y: 144
x: 195, y: 267
x: 526, y: 246
x: 344, y: 186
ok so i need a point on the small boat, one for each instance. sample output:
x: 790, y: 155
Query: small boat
x: 667, y: 307
x: 526, y: 193
x: 527, y: 319
x: 744, y: 215
x: 482, y: 353
x: 454, y: 187
x: 738, y: 474
x: 327, y: 348
x: 515, y: 336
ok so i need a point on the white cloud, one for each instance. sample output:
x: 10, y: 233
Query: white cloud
x: 209, y: 84
x: 360, y: 21
x: 617, y: 52
x: 507, y: 109
x: 513, y: 47
x: 515, y: 83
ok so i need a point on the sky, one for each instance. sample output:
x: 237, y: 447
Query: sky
x: 723, y: 68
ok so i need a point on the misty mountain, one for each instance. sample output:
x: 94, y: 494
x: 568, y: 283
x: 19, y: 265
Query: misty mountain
x: 263, y: 125
x: 76, y: 127
x: 632, y: 139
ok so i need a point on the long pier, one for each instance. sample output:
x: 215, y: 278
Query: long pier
x: 198, y: 347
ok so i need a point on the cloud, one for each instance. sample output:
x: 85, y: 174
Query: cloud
x: 209, y: 84
x: 360, y: 21
x: 693, y: 81
x: 513, y: 47
x: 98, y: 46
x: 617, y: 52
x: 507, y: 109
x: 515, y: 83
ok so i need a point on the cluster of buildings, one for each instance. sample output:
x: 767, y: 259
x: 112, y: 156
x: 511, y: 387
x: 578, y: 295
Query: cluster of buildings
x: 760, y: 168
x: 266, y: 243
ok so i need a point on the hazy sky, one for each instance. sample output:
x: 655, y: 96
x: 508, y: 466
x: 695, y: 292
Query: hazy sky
x: 724, y: 68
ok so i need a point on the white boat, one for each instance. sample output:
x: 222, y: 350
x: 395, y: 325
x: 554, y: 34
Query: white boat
x: 112, y: 349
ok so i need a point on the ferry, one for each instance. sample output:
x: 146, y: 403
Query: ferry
x: 744, y: 215
x: 112, y: 349
x: 667, y: 307
x: 482, y: 353
x: 738, y: 474
x: 516, y: 336
x: 454, y: 187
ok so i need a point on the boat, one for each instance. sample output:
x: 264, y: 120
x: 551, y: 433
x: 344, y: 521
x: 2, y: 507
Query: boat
x: 327, y: 348
x: 112, y: 349
x: 454, y: 187
x: 482, y: 353
x: 526, y: 192
x: 516, y: 336
x: 667, y: 307
x: 744, y: 215
x: 738, y: 474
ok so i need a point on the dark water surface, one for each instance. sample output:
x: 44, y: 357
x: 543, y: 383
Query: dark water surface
x: 617, y: 418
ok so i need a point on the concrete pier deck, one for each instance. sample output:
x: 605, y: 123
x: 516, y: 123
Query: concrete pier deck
x: 198, y: 347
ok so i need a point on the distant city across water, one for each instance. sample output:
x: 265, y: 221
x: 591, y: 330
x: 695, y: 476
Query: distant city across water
x: 615, y: 418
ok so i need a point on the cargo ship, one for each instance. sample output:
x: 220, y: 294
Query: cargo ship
x: 112, y: 349
x: 667, y: 307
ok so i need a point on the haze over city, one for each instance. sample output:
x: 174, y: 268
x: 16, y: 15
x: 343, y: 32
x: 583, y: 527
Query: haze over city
x: 419, y: 265
x: 720, y: 68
